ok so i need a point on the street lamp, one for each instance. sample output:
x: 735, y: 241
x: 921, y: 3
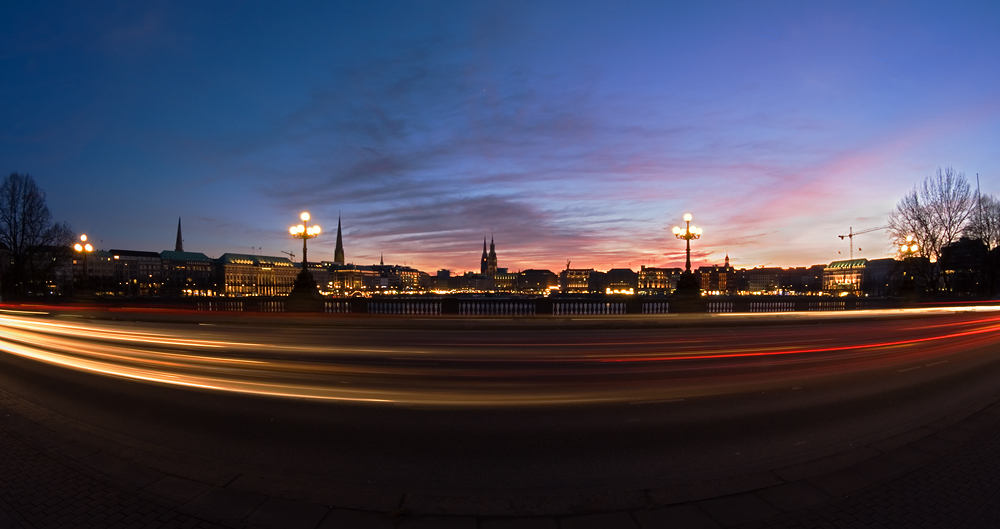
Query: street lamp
x: 305, y: 232
x: 83, y: 250
x: 687, y: 233
x: 907, y: 249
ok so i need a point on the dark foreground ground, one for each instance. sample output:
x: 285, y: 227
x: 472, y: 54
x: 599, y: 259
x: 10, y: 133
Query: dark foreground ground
x: 881, y: 430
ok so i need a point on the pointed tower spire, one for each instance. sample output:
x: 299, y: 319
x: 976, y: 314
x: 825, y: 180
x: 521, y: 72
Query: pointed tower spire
x: 491, y: 262
x: 727, y: 259
x: 381, y: 261
x: 338, y: 253
x: 484, y: 262
x: 179, y: 246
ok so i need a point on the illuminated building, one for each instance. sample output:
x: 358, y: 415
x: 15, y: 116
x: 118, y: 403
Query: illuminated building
x: 842, y: 278
x: 399, y: 278
x: 537, y: 281
x: 620, y: 281
x: 718, y: 280
x: 504, y: 281
x: 658, y: 280
x: 353, y: 280
x: 254, y: 275
x: 186, y: 273
x: 575, y: 281
x: 138, y: 274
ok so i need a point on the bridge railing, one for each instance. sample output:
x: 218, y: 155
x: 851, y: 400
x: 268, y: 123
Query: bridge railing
x: 556, y: 305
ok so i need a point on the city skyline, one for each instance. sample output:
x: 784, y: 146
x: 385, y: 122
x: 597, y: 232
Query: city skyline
x: 579, y: 134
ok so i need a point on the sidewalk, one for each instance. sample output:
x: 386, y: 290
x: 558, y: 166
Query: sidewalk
x: 52, y: 474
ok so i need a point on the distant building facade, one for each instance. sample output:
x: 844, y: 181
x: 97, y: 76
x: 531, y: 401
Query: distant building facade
x: 658, y: 281
x: 575, y: 281
x: 841, y: 278
x: 239, y: 275
x: 187, y: 274
x: 138, y: 273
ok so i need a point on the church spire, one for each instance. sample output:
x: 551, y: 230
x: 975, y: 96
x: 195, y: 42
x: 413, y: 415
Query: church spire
x: 491, y: 261
x: 179, y: 246
x: 727, y: 259
x: 338, y: 253
x: 484, y: 262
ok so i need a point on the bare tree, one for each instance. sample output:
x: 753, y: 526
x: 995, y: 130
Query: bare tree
x: 985, y: 222
x: 985, y: 226
x: 935, y: 214
x: 34, y: 243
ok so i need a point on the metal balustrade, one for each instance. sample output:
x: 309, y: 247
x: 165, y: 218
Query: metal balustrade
x: 271, y: 306
x: 497, y: 308
x: 718, y: 306
x: 657, y: 307
x: 337, y: 307
x: 540, y: 306
x: 772, y: 306
x: 826, y: 305
x: 587, y: 308
x: 404, y: 307
x: 221, y: 305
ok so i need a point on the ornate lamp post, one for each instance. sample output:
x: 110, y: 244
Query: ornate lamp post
x: 687, y: 286
x: 83, y: 250
x: 305, y: 232
x: 907, y: 249
x: 305, y: 295
x: 687, y: 233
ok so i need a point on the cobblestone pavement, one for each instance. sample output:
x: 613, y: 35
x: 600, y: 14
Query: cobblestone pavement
x: 37, y: 490
x: 960, y: 489
x: 945, y: 475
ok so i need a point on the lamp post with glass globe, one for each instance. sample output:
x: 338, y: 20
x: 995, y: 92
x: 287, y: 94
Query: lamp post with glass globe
x: 908, y: 249
x: 83, y: 248
x: 305, y: 295
x: 305, y: 232
x: 687, y: 285
x: 687, y: 233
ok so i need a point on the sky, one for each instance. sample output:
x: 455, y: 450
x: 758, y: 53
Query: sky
x: 566, y: 131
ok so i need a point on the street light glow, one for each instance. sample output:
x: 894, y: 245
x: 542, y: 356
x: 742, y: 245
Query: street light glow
x: 687, y: 233
x: 303, y: 232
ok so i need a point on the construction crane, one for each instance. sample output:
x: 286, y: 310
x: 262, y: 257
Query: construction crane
x: 291, y: 255
x: 851, y: 233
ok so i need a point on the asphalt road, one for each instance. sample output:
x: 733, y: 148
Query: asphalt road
x: 589, y: 405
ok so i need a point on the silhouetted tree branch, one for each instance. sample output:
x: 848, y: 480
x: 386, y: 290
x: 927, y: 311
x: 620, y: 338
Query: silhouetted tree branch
x: 935, y: 214
x: 985, y: 222
x: 36, y: 246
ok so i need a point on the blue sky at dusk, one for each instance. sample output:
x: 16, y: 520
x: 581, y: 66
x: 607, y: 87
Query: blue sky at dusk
x: 573, y: 131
